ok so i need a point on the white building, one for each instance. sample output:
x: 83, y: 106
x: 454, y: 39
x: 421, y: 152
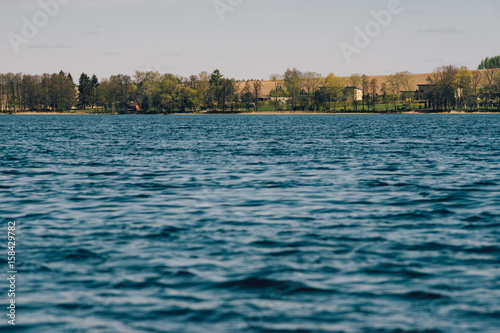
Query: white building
x: 353, y: 93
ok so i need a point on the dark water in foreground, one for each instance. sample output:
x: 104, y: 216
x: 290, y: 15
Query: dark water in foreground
x: 253, y: 223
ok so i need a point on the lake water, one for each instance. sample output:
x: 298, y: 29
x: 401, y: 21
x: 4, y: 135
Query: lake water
x: 231, y: 224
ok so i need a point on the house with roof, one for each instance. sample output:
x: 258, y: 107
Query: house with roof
x: 353, y: 93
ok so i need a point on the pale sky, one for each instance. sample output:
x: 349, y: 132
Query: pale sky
x: 245, y: 39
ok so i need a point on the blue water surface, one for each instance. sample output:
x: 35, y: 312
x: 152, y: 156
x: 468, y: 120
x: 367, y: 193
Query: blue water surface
x: 265, y: 224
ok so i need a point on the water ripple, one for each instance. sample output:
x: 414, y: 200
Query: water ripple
x: 249, y: 224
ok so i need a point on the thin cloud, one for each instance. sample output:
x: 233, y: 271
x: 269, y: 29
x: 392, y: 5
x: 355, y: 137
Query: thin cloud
x: 429, y: 60
x: 49, y: 46
x: 441, y: 31
x: 127, y: 3
x: 415, y: 12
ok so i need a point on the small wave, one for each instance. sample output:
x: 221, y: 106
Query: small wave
x: 423, y: 295
x: 484, y: 249
x: 281, y: 287
x: 483, y: 217
x: 396, y: 271
x: 82, y: 254
x: 254, y: 283
x: 167, y: 232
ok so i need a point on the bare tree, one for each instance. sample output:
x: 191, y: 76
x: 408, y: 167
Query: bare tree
x: 311, y: 83
x: 444, y: 81
x: 405, y: 79
x: 476, y: 79
x: 489, y: 75
x: 257, y: 85
x: 394, y: 88
x: 365, y: 84
x: 373, y: 91
x: 385, y: 92
x: 464, y: 83
x: 496, y: 83
x: 277, y: 79
x: 246, y: 95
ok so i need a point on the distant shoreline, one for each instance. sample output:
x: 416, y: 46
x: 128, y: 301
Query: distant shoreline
x: 251, y: 113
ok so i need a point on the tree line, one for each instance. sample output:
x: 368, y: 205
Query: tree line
x: 459, y: 88
x: 448, y: 87
x: 490, y: 63
x: 21, y: 92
